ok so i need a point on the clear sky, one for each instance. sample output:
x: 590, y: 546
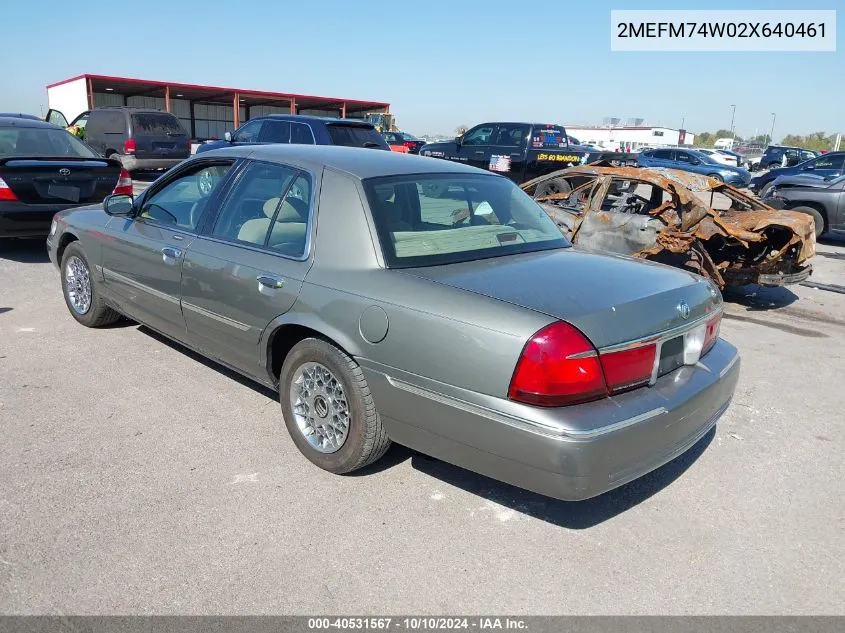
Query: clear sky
x: 439, y: 63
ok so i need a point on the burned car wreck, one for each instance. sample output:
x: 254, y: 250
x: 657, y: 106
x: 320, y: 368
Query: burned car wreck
x: 681, y: 219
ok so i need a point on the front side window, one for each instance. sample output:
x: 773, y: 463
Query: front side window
x: 275, y: 131
x: 248, y: 133
x: 683, y: 157
x: 478, y: 136
x: 269, y: 207
x: 181, y: 202
x: 41, y: 142
x: 432, y: 219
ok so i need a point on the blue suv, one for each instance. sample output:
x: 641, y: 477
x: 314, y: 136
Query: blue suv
x: 303, y: 130
x: 696, y: 162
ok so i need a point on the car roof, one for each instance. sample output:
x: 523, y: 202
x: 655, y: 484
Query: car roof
x: 18, y: 121
x: 308, y: 117
x: 21, y: 115
x: 360, y: 162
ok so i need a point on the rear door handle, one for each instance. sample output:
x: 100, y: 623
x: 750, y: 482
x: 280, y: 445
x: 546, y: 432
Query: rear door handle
x: 268, y: 281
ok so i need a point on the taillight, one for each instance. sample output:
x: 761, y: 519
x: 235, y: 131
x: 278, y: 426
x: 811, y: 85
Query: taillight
x: 409, y: 143
x: 711, y: 332
x: 124, y: 184
x: 129, y: 146
x: 628, y: 368
x: 558, y: 366
x: 6, y: 193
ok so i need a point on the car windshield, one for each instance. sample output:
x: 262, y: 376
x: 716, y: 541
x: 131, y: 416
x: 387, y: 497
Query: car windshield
x: 409, y: 137
x: 431, y: 219
x: 355, y: 136
x: 41, y: 141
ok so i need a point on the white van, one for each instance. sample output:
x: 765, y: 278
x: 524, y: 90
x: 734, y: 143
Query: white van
x: 724, y: 143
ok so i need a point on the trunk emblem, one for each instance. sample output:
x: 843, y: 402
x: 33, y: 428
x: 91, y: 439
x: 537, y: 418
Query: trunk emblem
x: 683, y: 309
x: 64, y: 171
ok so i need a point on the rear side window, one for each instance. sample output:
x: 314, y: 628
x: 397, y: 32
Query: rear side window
x: 356, y: 136
x: 301, y: 134
x: 156, y: 124
x: 662, y: 154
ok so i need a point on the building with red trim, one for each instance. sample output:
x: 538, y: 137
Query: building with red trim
x: 205, y: 111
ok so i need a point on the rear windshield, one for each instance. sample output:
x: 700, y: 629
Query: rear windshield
x: 548, y: 137
x: 155, y: 124
x: 356, y: 136
x: 430, y: 219
x: 36, y: 141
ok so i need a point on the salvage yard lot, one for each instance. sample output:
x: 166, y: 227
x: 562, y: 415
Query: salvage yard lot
x: 140, y: 479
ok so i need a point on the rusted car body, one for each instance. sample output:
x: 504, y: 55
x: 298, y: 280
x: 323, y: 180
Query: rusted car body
x: 683, y: 219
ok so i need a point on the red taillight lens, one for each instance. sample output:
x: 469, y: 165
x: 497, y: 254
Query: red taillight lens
x: 124, y: 184
x: 711, y: 333
x: 409, y: 143
x: 6, y: 193
x: 628, y: 368
x: 129, y: 146
x: 558, y: 366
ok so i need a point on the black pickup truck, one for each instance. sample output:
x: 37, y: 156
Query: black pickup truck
x: 522, y: 151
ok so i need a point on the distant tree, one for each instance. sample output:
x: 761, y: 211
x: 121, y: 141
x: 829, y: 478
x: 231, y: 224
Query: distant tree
x: 704, y: 139
x: 461, y: 129
x: 723, y: 134
x: 765, y: 139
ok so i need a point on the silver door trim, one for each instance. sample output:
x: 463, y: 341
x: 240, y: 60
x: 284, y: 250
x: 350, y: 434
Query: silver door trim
x: 243, y: 327
x: 108, y: 273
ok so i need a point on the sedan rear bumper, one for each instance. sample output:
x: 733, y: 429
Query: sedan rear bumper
x: 133, y: 163
x: 18, y: 219
x: 570, y: 453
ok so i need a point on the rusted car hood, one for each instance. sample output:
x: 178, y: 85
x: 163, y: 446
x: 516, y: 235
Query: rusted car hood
x: 749, y: 242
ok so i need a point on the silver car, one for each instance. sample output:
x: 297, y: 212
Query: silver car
x: 462, y: 324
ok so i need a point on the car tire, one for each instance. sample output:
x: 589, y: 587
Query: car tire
x: 322, y: 390
x: 555, y: 185
x: 81, y: 291
x: 765, y: 189
x: 818, y: 218
x: 716, y: 177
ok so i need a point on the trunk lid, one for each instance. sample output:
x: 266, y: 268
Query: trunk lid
x: 612, y: 299
x: 59, y: 180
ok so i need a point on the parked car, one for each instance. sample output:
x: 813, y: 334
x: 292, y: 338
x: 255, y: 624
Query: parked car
x: 395, y: 142
x: 695, y: 162
x: 519, y: 151
x: 821, y: 198
x: 44, y: 169
x: 828, y: 165
x: 719, y: 156
x: 299, y: 129
x: 141, y: 139
x: 404, y: 139
x: 660, y: 215
x: 464, y: 327
x: 776, y: 155
x: 20, y: 115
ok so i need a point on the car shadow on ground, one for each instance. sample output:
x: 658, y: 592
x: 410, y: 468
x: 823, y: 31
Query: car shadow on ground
x: 760, y: 298
x: 574, y: 515
x: 25, y: 251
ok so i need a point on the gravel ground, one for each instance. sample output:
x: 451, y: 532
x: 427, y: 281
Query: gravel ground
x: 138, y: 478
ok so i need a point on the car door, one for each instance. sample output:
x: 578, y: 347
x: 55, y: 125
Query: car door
x: 248, y: 265
x: 143, y: 255
x: 838, y: 223
x: 475, y: 147
x: 508, y: 150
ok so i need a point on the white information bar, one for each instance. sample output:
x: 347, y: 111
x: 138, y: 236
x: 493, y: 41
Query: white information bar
x: 723, y: 30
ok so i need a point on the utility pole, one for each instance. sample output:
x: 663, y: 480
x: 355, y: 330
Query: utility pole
x: 772, y: 133
x: 683, y: 118
x: 733, y: 112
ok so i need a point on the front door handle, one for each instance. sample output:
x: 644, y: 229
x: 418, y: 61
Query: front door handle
x: 170, y: 254
x: 480, y: 151
x: 268, y: 281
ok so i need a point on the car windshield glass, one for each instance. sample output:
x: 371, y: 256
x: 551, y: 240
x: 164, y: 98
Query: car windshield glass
x: 432, y: 219
x: 152, y: 123
x: 37, y: 141
x: 409, y: 137
x: 355, y: 136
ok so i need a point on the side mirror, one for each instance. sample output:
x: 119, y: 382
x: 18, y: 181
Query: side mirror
x: 120, y: 204
x: 228, y: 136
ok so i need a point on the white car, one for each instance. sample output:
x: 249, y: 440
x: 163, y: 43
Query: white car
x: 725, y: 159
